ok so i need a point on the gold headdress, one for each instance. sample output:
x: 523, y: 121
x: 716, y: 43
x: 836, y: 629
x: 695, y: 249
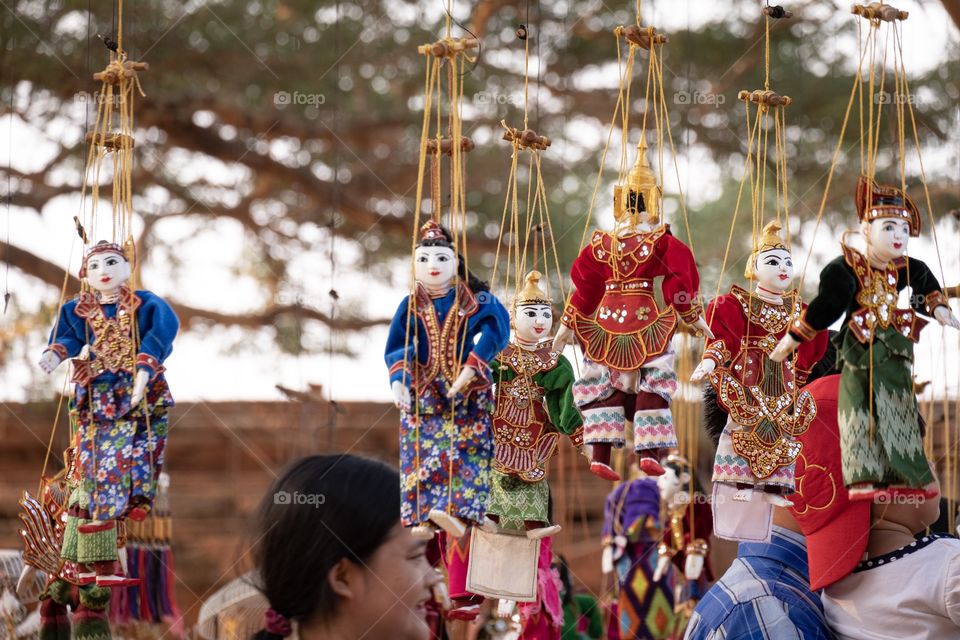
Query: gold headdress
x: 875, y: 201
x: 531, y: 292
x: 642, y: 183
x: 769, y: 239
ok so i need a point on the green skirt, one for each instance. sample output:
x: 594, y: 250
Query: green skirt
x: 882, y: 447
x: 515, y: 500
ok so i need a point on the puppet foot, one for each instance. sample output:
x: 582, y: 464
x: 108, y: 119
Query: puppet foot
x: 87, y: 577
x: 776, y: 499
x: 505, y: 608
x: 96, y: 526
x: 453, y: 525
x: 113, y: 580
x: 650, y: 466
x: 543, y: 532
x: 422, y: 532
x: 468, y: 612
x: 744, y: 495
x: 604, y: 471
x: 489, y: 525
x: 137, y: 514
x: 866, y: 491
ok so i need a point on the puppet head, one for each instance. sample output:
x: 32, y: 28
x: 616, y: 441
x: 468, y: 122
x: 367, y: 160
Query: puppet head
x: 675, y: 479
x: 771, y: 264
x: 639, y: 195
x: 532, y: 311
x: 888, y: 218
x: 105, y: 267
x: 435, y: 261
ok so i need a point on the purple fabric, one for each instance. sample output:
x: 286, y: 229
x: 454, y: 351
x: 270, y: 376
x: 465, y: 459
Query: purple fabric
x: 642, y: 499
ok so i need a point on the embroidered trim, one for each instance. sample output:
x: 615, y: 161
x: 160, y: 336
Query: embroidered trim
x: 902, y: 552
x: 58, y: 349
x: 935, y: 299
x: 802, y: 331
x: 717, y: 351
x: 113, y: 343
x: 774, y: 318
x: 877, y: 296
x: 569, y: 313
x: 148, y: 361
x: 692, y: 314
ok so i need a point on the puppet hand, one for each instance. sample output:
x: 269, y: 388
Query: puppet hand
x: 139, y: 387
x: 663, y: 562
x: 784, y: 348
x: 401, y: 395
x: 704, y: 328
x: 466, y: 375
x: 586, y: 451
x: 945, y: 317
x: 693, y: 566
x: 704, y: 369
x: 563, y: 339
x: 49, y: 361
x: 606, y: 560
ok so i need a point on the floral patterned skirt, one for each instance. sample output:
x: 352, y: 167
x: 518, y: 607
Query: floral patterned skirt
x: 120, y: 450
x: 444, y: 463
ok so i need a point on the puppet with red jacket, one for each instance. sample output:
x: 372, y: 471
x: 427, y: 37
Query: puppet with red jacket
x: 767, y: 410
x: 625, y: 333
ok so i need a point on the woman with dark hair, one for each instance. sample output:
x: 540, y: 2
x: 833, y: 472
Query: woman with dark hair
x: 333, y: 557
x: 441, y: 341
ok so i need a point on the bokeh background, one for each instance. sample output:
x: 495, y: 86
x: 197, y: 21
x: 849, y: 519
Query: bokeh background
x: 274, y: 180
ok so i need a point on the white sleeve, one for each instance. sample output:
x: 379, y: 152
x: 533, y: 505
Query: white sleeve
x: 951, y: 589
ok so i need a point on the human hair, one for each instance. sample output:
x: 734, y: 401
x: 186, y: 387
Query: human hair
x: 475, y: 284
x: 323, y: 509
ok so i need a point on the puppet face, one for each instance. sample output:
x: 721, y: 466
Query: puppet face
x: 887, y: 238
x: 107, y: 271
x: 671, y: 483
x: 435, y: 267
x: 774, y: 270
x: 533, y: 322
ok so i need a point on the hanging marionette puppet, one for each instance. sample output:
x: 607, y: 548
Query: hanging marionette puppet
x: 120, y: 405
x: 687, y: 525
x: 765, y: 409
x: 450, y: 324
x: 881, y: 448
x: 628, y: 361
x: 534, y: 404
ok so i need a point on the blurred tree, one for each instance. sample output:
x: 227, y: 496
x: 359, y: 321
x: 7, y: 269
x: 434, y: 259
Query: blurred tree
x: 304, y: 120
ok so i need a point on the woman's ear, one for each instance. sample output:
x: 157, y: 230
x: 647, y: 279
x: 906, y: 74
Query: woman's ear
x: 344, y: 579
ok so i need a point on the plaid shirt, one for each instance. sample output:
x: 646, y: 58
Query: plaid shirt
x: 764, y: 595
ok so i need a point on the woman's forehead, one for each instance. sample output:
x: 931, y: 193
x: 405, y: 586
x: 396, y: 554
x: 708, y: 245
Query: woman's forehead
x: 777, y: 253
x: 435, y: 250
x: 104, y: 255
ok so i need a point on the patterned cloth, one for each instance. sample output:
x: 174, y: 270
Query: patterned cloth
x: 607, y: 398
x: 517, y: 501
x: 732, y: 468
x: 891, y: 452
x: 121, y: 449
x: 764, y: 594
x: 445, y: 464
x: 631, y: 524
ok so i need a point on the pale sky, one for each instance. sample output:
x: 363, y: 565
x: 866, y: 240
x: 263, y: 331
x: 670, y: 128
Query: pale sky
x: 228, y: 363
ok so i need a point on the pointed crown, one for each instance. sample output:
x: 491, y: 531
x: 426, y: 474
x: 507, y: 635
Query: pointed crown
x: 641, y: 182
x: 531, y: 292
x: 769, y: 239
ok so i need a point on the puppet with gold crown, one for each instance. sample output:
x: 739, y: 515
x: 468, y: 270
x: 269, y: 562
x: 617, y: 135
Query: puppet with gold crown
x: 766, y: 409
x: 534, y: 405
x: 880, y: 441
x: 628, y: 369
x: 117, y: 339
x: 439, y: 348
